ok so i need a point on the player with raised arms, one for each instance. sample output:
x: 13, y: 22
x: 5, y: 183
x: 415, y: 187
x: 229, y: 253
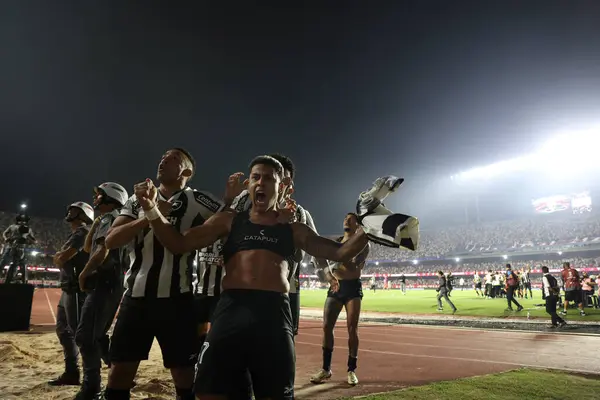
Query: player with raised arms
x: 252, y: 326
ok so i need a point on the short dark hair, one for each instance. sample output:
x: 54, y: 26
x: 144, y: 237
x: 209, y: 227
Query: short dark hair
x: 440, y: 272
x: 287, y: 163
x: 270, y: 161
x: 545, y: 269
x: 508, y: 266
x: 353, y: 214
x: 567, y: 264
x: 189, y: 157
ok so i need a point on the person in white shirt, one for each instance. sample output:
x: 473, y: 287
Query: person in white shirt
x: 550, y: 290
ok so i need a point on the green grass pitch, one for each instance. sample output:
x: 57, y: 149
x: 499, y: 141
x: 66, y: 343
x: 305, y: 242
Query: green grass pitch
x: 424, y: 302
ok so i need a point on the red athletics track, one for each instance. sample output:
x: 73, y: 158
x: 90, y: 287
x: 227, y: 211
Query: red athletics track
x: 392, y: 357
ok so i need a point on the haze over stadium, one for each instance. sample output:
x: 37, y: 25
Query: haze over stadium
x: 488, y: 110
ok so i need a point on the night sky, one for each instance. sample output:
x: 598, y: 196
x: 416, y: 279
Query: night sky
x: 92, y: 91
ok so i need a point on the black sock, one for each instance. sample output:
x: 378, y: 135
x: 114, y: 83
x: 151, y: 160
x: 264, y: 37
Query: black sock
x: 116, y: 394
x: 352, y: 363
x: 185, y: 394
x: 327, y: 353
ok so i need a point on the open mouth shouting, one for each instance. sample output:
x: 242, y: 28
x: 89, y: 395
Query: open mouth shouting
x: 260, y: 197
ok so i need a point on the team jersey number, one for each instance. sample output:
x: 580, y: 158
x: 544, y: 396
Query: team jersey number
x: 205, y: 347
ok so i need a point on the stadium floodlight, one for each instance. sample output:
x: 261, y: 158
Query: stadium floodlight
x: 496, y: 169
x: 583, y: 143
x: 560, y: 253
x: 23, y: 206
x: 35, y: 253
x: 415, y: 262
x: 457, y: 259
x: 505, y: 256
x: 376, y: 262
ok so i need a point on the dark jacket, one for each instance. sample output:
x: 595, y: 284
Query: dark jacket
x: 69, y: 273
x: 442, y: 285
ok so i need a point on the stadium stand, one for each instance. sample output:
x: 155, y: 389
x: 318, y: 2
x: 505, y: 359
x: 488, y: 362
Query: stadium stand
x: 460, y: 249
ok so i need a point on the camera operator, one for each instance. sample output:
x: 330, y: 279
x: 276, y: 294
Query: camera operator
x: 71, y: 260
x: 17, y: 237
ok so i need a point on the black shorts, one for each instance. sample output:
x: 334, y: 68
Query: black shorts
x: 251, y: 330
x: 204, y: 307
x: 527, y: 285
x: 573, y: 295
x: 478, y: 285
x: 171, y: 321
x: 295, y: 307
x: 349, y: 289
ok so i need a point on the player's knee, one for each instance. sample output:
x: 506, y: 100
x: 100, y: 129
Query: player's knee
x: 183, y: 376
x: 84, y: 338
x: 328, y: 328
x: 353, y: 330
x: 203, y: 329
x: 63, y: 334
x: 122, y: 374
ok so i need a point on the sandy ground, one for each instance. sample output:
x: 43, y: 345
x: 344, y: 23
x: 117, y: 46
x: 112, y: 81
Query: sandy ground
x: 29, y: 360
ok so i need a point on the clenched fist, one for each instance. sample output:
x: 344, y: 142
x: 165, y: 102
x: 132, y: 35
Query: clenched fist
x: 287, y: 215
x: 146, y: 194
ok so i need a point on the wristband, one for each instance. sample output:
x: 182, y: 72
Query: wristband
x: 153, y: 213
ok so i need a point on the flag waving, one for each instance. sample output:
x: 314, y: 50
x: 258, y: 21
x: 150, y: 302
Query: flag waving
x: 381, y: 225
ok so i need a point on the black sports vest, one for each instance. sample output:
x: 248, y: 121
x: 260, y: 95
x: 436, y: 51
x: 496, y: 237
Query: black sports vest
x: 245, y: 235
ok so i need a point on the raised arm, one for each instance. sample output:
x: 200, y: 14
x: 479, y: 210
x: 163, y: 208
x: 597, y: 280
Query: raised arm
x: 195, y: 238
x: 320, y: 247
x: 321, y: 265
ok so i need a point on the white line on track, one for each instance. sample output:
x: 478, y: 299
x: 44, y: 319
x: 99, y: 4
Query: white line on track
x: 474, y: 360
x: 50, y: 305
x: 502, y: 332
x: 450, y: 346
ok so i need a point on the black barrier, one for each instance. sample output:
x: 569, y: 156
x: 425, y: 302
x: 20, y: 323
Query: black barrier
x: 15, y: 307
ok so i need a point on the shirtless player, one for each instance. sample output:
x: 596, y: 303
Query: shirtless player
x: 346, y: 292
x: 252, y: 326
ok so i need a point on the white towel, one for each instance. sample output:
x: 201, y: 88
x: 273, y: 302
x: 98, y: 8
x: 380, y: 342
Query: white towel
x: 381, y: 225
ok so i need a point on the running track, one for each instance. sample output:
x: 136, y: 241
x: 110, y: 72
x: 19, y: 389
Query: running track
x: 392, y: 357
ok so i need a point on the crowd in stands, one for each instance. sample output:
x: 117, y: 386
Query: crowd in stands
x: 507, y: 236
x: 371, y: 268
x: 438, y: 244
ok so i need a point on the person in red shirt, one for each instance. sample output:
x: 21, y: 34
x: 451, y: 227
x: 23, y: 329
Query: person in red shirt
x: 572, y: 287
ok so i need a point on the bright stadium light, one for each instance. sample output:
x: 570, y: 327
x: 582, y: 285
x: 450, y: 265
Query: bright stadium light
x: 505, y: 256
x: 583, y: 143
x: 376, y: 262
x: 35, y: 253
x: 23, y: 206
x: 560, y: 253
x: 457, y: 259
x: 415, y: 262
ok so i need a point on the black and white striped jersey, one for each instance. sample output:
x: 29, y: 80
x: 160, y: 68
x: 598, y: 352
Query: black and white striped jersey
x: 155, y: 272
x: 210, y: 270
